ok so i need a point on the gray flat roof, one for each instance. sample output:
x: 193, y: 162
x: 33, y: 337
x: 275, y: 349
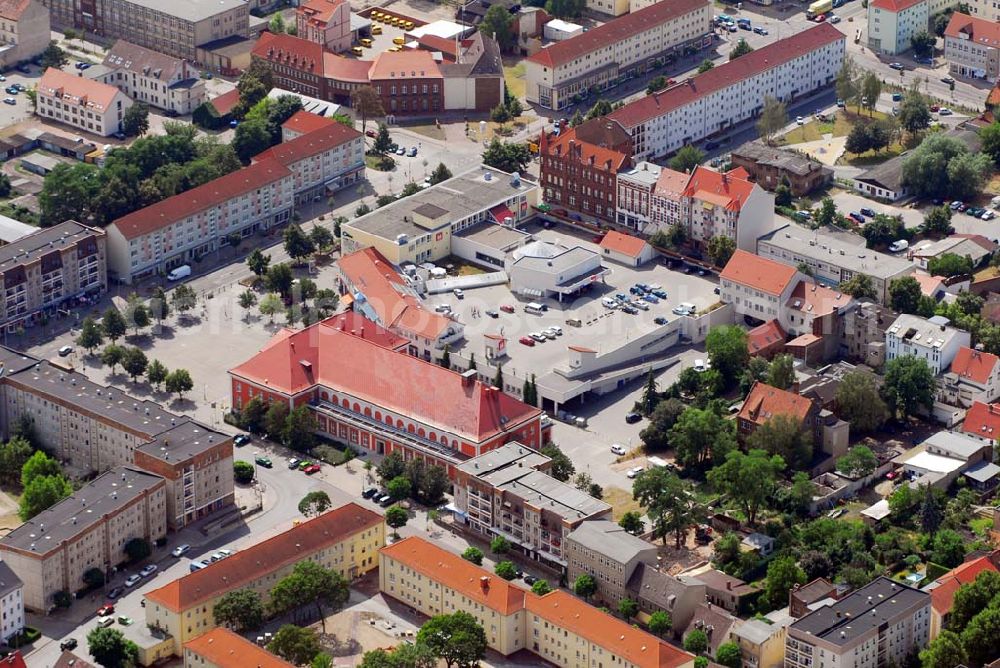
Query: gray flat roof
x: 983, y: 471
x: 929, y: 334
x: 502, y: 458
x: 78, y: 513
x: 961, y: 445
x: 43, y: 241
x: 541, y: 489
x: 607, y: 538
x: 191, y: 10
x: 862, y: 611
x: 183, y: 442
x: 830, y: 249
x: 459, y: 197
x: 494, y: 235
x: 555, y: 264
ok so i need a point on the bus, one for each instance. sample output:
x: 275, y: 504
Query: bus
x: 819, y: 7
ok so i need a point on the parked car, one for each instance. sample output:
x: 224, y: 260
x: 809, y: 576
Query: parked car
x: 651, y: 298
x: 369, y: 493
x: 303, y: 463
x: 660, y: 320
x: 309, y: 470
x: 639, y: 304
x: 370, y: 133
x: 633, y: 472
x: 68, y: 644
x: 400, y: 151
x: 385, y: 501
x: 555, y: 329
x: 241, y: 440
x: 105, y: 610
x: 632, y: 418
x: 181, y: 550
x: 506, y: 308
x: 149, y: 570
x: 896, y: 66
x: 609, y: 303
x: 701, y: 365
x: 293, y: 463
x: 944, y: 111
x: 631, y: 310
x: 684, y: 308
x: 530, y: 579
x: 459, y: 293
x: 820, y: 18
x: 412, y: 152
x: 857, y: 217
x: 987, y: 215
x: 115, y: 593
x: 900, y: 245
x: 65, y: 350
x: 834, y: 18
x: 662, y: 294
x: 537, y: 336
x: 105, y: 622
x: 125, y: 620
x: 132, y: 580
x: 263, y: 461
x: 618, y: 449
x: 493, y: 314
x: 526, y: 340
x: 799, y: 120
x: 760, y: 30
x: 867, y: 212
x: 948, y: 80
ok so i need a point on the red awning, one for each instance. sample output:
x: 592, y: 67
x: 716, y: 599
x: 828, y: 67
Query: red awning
x: 501, y: 213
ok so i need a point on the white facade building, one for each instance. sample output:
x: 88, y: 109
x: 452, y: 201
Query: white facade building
x: 714, y: 101
x: 543, y: 269
x: 159, y: 80
x: 972, y: 47
x: 930, y: 340
x: 755, y: 286
x: 11, y: 603
x: 974, y: 376
x: 891, y: 23
x: 87, y: 105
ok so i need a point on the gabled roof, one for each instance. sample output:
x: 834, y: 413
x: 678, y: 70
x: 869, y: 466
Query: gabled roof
x: 403, y: 65
x: 72, y: 89
x: 976, y: 365
x: 671, y: 183
x: 290, y: 51
x: 307, y: 145
x: 764, y: 336
x: 895, y: 5
x: 727, y: 189
x: 943, y: 594
x: 759, y: 273
x: 224, y: 103
x: 623, y: 243
x: 567, y: 145
x: 816, y: 300
x: 224, y: 649
x: 982, y: 420
x: 245, y: 566
x: 304, y: 122
x: 319, y: 11
x: 765, y: 402
x: 145, y: 62
x: 973, y: 29
x: 613, y: 32
x: 719, y: 77
x: 12, y: 9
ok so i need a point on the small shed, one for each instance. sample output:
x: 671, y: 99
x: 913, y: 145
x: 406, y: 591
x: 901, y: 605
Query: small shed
x: 625, y: 249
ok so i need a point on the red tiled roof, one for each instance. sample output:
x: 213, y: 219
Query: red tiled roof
x: 724, y: 75
x: 994, y: 97
x: 70, y: 660
x: 224, y: 103
x: 973, y: 29
x: 77, y: 89
x: 384, y: 376
x: 766, y: 401
x: 436, y: 43
x: 245, y: 566
x: 929, y: 285
x: 759, y: 273
x: 290, y: 51
x: 167, y: 212
x: 308, y: 145
x: 319, y: 11
x: 224, y: 649
x: 403, y: 65
x: 671, y: 183
x: 345, y: 69
x: 599, y: 157
x: 816, y: 300
x: 894, y: 5
x: 304, y: 122
x: 975, y: 365
x: 12, y: 9
x: 720, y: 188
x: 614, y: 31
x: 623, y: 243
x: 764, y: 336
x: 13, y: 660
x: 943, y: 596
x: 982, y: 420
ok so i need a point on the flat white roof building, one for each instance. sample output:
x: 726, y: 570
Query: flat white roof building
x: 929, y: 339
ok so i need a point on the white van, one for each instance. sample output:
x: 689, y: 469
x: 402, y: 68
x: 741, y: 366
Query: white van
x: 180, y: 272
x: 534, y: 308
x: 897, y: 246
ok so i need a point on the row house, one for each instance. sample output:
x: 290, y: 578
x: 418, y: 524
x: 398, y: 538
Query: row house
x: 366, y: 391
x: 90, y: 106
x: 158, y: 80
x: 620, y: 48
x: 714, y: 101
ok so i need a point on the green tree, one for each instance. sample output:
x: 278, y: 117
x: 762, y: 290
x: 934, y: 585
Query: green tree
x: 247, y: 300
x: 297, y: 243
x: 720, y: 249
x: 243, y: 472
x: 391, y: 467
x: 113, y: 324
x: 584, y: 586
x: 782, y: 574
x: 656, y: 84
x: 241, y: 610
x: 773, y: 117
x: 972, y: 598
x: 499, y: 25
x: 981, y: 638
x: 696, y: 642
x: 631, y: 521
x: 13, y: 456
x: 859, y: 139
x: 859, y: 286
x: 111, y: 649
x: 945, y: 651
x: 927, y: 170
x: 440, y: 173
x: 277, y: 24
x: 871, y: 89
x: 601, y: 108
x: 669, y: 502
x: 749, y: 479
x: 938, y: 221
x: 280, y: 279
x: 507, y: 156
x: 310, y: 584
x: 827, y: 212
x: 742, y: 48
x: 726, y: 346
x: 500, y: 545
x: 650, y: 398
x: 687, y: 158
x: 541, y: 587
x: 251, y: 138
x: 628, y: 608
x: 705, y: 66
x: 137, y: 549
x: 399, y: 488
x: 930, y: 512
x: 396, y: 517
x: 178, y: 382
x: 914, y: 114
x: 322, y: 660
x: 949, y: 264
x: 660, y: 623
x: 315, y: 503
x: 457, y: 638
x: 183, y: 299
x: 656, y: 435
x: 922, y: 44
x: 781, y: 373
x: 53, y: 56
x: 258, y: 262
x: 728, y: 654
x: 321, y: 237
x: 904, y: 294
x: 783, y: 195
x: 701, y: 436
x: 39, y: 465
x: 270, y: 305
x: 134, y: 363
x: 299, y: 432
x: 135, y: 122
x: 859, y: 462
x: 67, y: 193
x: 383, y: 142
x: 473, y: 554
x: 907, y: 385
x: 366, y: 103
x: 948, y: 548
x: 295, y: 644
x: 847, y: 84
x: 506, y: 570
x: 562, y: 467
x: 91, y: 335
x: 112, y: 355
x: 784, y: 435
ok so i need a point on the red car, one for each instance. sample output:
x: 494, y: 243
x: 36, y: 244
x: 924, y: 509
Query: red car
x: 935, y: 108
x: 527, y: 340
x: 370, y: 133
x: 506, y: 308
x: 313, y: 468
x: 106, y: 609
x: 891, y: 475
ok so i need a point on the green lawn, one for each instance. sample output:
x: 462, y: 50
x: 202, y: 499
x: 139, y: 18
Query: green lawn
x: 514, y: 76
x: 981, y: 526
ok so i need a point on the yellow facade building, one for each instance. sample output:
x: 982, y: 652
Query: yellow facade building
x: 345, y: 540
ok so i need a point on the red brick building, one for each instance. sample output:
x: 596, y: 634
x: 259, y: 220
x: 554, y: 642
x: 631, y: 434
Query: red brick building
x: 580, y: 166
x: 366, y: 391
x: 408, y: 82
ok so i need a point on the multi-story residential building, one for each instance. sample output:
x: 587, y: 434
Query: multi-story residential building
x: 221, y: 648
x: 52, y: 268
x: 943, y: 589
x: 176, y: 230
x: 620, y: 48
x: 422, y: 227
x: 972, y: 47
x: 769, y: 167
x: 174, y: 27
x: 11, y: 603
x: 761, y: 643
x: 984, y: 9
x: 722, y: 590
x: 930, y: 340
x: 322, y: 162
x: 974, y: 376
x: 380, y: 294
x: 877, y: 625
x: 757, y: 287
x: 303, y: 122
x: 326, y: 22
x: 557, y: 627
x: 891, y: 23
x: 508, y: 492
x: 654, y: 590
x: 582, y: 175
x: 832, y: 259
x: 716, y: 100
x: 346, y: 540
x: 24, y: 31
x: 765, y: 402
x: 329, y: 366
x: 982, y: 420
x: 87, y: 105
x: 609, y: 554
x: 93, y: 428
x: 635, y: 193
x: 52, y: 551
x: 408, y: 82
x: 159, y: 80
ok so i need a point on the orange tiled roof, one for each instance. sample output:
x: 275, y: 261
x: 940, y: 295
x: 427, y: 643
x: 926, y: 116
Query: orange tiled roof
x: 671, y: 183
x: 598, y: 156
x: 943, y: 596
x: 758, y: 273
x: 975, y: 365
x: 246, y: 566
x: 304, y: 122
x: 77, y: 90
x: 12, y: 9
x: 982, y: 420
x: 764, y: 336
x: 722, y: 188
x: 973, y: 29
x: 319, y: 11
x: 403, y: 65
x: 766, y: 401
x: 895, y: 5
x: 224, y: 103
x: 623, y: 243
x: 305, y: 146
x: 816, y: 300
x: 225, y: 649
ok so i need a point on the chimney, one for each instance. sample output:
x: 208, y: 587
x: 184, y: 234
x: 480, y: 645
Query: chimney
x: 729, y: 585
x: 484, y: 583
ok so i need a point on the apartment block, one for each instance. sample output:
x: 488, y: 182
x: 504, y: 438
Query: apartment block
x: 174, y: 231
x: 609, y: 554
x: 54, y: 268
x: 891, y: 23
x: 712, y: 102
x: 346, y: 540
x: 508, y: 492
x: 329, y: 366
x: 557, y: 627
x: 87, y: 105
x: 159, y: 80
x: 635, y: 193
x: 972, y: 47
x: 985, y: 9
x: 11, y: 603
x: 974, y: 376
x: 221, y: 648
x: 24, y: 30
x: 877, y: 625
x: 833, y: 258
x: 326, y: 22
x: 93, y: 428
x: 755, y: 286
x: 52, y: 551
x: 172, y: 27
x: 624, y: 47
x: 931, y: 340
